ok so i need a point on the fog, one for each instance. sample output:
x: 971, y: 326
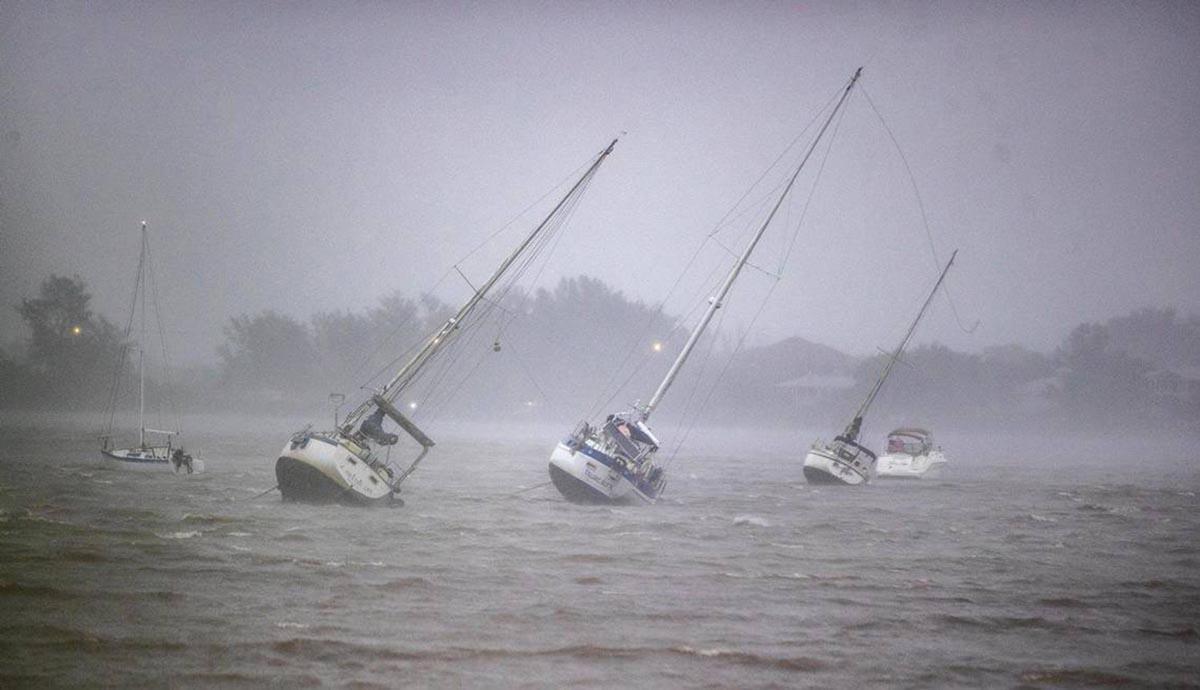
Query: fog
x: 308, y: 159
x: 316, y: 181
x: 325, y: 183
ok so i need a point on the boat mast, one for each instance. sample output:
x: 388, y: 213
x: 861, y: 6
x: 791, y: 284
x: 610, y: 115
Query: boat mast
x: 714, y: 303
x: 142, y: 346
x: 851, y: 432
x: 443, y: 334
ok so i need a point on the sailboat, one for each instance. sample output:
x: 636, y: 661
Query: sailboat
x: 845, y: 460
x: 345, y: 465
x: 155, y: 446
x: 614, y: 461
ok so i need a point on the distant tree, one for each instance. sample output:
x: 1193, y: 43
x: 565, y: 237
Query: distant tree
x: 342, y: 341
x: 268, y: 351
x: 1100, y: 383
x: 1158, y: 336
x: 18, y: 384
x: 72, y: 349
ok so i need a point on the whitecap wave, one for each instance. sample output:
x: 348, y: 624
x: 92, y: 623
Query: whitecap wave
x: 179, y: 535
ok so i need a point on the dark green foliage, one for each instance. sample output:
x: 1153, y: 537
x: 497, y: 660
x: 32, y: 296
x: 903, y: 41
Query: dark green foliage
x: 71, y: 353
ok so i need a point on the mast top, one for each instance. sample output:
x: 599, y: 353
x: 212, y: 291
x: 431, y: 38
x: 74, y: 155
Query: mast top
x: 716, y: 300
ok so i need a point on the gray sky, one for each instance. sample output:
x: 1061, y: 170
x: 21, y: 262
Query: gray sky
x: 313, y: 157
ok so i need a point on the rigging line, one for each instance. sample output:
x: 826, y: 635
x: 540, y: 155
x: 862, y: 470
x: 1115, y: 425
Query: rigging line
x: 529, y: 375
x: 812, y: 192
x: 716, y: 229
x: 168, y: 375
x: 447, y: 397
x: 780, y: 157
x: 137, y: 281
x: 924, y: 216
x: 724, y: 370
x: 558, y: 233
x: 709, y: 283
x: 539, y: 252
x: 687, y: 408
x: 467, y: 335
x: 434, y: 343
x: 751, y: 264
x: 466, y: 279
x: 570, y: 176
x: 386, y: 339
x: 754, y: 210
x: 536, y: 251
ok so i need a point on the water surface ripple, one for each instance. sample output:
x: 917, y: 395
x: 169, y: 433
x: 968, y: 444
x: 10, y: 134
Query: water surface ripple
x: 743, y: 577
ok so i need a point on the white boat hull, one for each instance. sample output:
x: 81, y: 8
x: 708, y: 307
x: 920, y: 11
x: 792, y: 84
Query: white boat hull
x: 144, y: 456
x: 905, y: 466
x: 587, y: 475
x: 319, y: 468
x: 151, y: 457
x: 824, y: 465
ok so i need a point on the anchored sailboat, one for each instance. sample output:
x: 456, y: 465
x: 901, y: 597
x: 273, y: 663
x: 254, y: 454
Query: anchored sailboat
x: 340, y: 465
x: 155, y: 446
x: 614, y: 462
x: 845, y: 461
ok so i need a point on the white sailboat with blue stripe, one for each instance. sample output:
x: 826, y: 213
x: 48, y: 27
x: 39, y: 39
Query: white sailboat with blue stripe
x: 615, y: 461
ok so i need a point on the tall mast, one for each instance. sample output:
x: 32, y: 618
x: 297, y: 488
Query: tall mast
x: 852, y: 430
x: 142, y: 346
x: 714, y: 302
x: 443, y: 334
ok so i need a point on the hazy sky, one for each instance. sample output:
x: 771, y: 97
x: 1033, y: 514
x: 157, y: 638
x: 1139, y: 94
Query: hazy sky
x: 309, y: 157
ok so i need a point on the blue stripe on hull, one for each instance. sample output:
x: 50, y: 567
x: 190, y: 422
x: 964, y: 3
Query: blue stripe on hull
x: 646, y: 490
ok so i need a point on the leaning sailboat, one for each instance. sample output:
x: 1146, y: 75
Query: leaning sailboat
x: 615, y: 461
x: 346, y: 464
x: 845, y: 460
x: 154, y: 446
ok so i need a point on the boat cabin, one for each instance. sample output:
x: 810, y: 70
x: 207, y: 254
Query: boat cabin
x: 910, y: 440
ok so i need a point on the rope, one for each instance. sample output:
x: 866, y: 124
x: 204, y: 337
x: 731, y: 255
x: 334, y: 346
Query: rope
x: 260, y: 495
x: 730, y: 215
x: 720, y: 376
x: 528, y: 488
x: 937, y: 262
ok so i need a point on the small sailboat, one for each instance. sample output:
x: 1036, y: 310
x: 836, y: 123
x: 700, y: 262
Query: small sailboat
x: 346, y: 464
x: 614, y: 461
x: 911, y: 454
x: 845, y: 460
x: 154, y: 446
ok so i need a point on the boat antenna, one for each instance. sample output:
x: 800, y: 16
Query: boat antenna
x: 715, y: 301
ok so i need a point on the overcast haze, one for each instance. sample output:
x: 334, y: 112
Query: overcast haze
x: 1054, y: 145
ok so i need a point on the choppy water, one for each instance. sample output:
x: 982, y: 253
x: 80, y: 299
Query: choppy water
x: 1046, y: 570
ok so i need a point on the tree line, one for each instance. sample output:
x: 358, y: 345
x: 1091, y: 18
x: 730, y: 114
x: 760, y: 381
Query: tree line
x: 583, y: 348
